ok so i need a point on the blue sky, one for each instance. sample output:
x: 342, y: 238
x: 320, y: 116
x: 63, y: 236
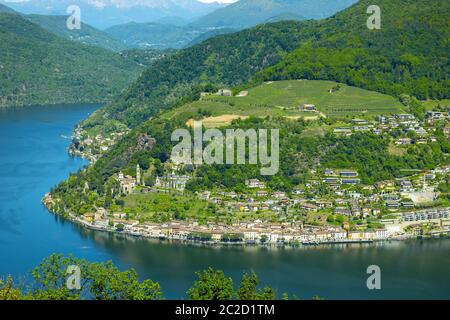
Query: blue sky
x: 133, y: 1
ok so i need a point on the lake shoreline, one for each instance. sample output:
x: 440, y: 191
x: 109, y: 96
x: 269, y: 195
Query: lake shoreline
x: 84, y: 224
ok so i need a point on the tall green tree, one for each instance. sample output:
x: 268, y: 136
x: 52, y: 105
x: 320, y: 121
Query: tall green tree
x: 101, y: 281
x: 211, y: 285
x: 248, y: 289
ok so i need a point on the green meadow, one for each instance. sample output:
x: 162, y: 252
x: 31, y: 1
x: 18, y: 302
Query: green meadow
x: 283, y: 98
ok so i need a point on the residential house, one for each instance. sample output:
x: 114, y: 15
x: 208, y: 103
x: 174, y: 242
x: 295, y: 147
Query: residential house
x: 342, y: 130
x: 403, y: 141
x: 348, y: 173
x: 225, y: 93
x: 261, y: 193
x: 392, y: 204
x: 254, y: 183
x: 350, y: 181
x: 308, y: 108
x: 381, y: 234
x: 406, y: 186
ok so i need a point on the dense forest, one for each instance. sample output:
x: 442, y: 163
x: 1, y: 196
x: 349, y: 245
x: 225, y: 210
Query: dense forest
x: 409, y: 54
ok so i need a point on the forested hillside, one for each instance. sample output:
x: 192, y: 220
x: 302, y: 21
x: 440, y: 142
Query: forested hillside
x: 224, y: 60
x: 37, y: 67
x: 408, y: 55
x: 6, y: 9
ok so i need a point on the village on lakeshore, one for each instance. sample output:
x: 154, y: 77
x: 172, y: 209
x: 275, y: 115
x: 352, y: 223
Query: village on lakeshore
x: 402, y: 219
x: 354, y: 212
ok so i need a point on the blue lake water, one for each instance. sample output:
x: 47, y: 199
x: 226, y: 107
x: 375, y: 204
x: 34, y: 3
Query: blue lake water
x: 33, y: 158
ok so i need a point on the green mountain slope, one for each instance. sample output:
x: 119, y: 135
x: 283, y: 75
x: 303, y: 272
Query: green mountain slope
x: 225, y: 59
x: 209, y: 34
x: 37, y: 67
x: 145, y: 57
x: 86, y: 34
x: 283, y: 98
x: 408, y: 55
x: 247, y: 13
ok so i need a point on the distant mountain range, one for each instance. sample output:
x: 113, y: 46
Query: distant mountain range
x: 248, y: 13
x: 86, y: 34
x: 58, y: 26
x: 106, y: 13
x: 177, y: 33
x: 162, y: 24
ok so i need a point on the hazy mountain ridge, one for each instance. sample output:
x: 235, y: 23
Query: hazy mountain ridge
x: 106, y: 13
x: 247, y: 13
x: 153, y: 35
x: 86, y: 34
x: 170, y: 31
x: 58, y: 26
x: 38, y: 67
x: 242, y: 14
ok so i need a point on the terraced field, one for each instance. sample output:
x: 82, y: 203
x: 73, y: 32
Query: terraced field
x: 283, y: 98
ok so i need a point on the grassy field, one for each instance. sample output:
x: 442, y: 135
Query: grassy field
x: 160, y: 207
x: 283, y: 98
x: 433, y: 104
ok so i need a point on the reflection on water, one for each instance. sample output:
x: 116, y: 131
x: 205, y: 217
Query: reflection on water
x: 410, y: 269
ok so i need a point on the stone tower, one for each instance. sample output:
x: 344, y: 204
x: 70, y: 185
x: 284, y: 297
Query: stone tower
x: 138, y: 175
